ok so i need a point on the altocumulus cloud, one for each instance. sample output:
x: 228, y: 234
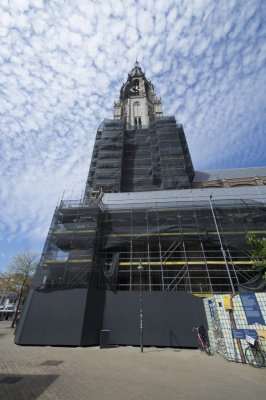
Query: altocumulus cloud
x: 61, y: 67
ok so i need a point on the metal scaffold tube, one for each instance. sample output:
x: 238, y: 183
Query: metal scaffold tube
x: 222, y: 249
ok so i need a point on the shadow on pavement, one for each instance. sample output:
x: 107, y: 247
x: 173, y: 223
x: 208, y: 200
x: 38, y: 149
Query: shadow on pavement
x: 28, y: 387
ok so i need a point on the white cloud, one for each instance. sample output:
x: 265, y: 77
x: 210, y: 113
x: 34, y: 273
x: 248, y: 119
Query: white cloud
x: 145, y: 22
x: 62, y: 65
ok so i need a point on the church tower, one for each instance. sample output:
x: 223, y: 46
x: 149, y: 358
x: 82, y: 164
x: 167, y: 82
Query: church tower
x: 141, y: 226
x: 140, y: 149
x: 138, y: 103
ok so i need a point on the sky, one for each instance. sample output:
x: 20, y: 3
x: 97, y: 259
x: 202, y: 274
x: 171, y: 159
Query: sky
x: 62, y: 64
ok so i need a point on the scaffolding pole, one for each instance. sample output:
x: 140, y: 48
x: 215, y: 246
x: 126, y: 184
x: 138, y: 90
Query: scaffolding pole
x: 222, y: 249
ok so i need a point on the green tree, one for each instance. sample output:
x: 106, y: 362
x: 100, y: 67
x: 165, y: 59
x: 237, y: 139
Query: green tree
x: 258, y: 254
x: 17, y: 279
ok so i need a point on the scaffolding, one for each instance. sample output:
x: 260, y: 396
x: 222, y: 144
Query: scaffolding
x: 130, y: 159
x: 183, y: 243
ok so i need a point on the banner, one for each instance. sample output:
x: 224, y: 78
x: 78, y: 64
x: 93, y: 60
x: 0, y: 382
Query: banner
x: 252, y: 309
x: 242, y: 333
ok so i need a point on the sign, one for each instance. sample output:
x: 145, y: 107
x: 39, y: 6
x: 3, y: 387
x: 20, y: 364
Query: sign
x: 252, y: 309
x: 227, y: 302
x: 211, y: 308
x: 242, y: 333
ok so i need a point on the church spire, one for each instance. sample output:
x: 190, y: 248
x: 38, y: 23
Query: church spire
x: 137, y: 71
x: 138, y: 102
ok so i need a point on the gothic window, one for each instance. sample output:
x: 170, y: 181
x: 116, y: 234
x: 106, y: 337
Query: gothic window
x: 136, y: 86
x: 136, y: 108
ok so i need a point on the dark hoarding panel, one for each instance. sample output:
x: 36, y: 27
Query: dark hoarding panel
x: 53, y: 318
x: 76, y: 317
x: 168, y: 318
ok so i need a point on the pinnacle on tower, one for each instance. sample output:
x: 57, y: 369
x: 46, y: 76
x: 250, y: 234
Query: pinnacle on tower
x: 136, y: 71
x: 138, y: 103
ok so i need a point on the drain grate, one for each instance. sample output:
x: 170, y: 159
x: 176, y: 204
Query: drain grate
x: 52, y: 363
x: 10, y: 380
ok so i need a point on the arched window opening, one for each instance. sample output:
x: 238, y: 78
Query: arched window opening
x: 136, y: 109
x: 136, y: 86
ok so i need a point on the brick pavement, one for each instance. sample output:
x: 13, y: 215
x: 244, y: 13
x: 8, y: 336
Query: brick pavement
x: 121, y: 373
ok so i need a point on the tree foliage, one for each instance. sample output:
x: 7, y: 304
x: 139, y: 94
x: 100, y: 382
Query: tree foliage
x: 18, y: 277
x: 258, y: 254
x: 12, y: 283
x: 19, y: 273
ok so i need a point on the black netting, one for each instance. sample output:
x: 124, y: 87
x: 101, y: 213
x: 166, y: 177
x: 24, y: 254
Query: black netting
x: 91, y: 245
x: 151, y: 158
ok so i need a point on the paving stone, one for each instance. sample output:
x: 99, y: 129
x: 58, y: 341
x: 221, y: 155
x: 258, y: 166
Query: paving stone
x: 122, y: 373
